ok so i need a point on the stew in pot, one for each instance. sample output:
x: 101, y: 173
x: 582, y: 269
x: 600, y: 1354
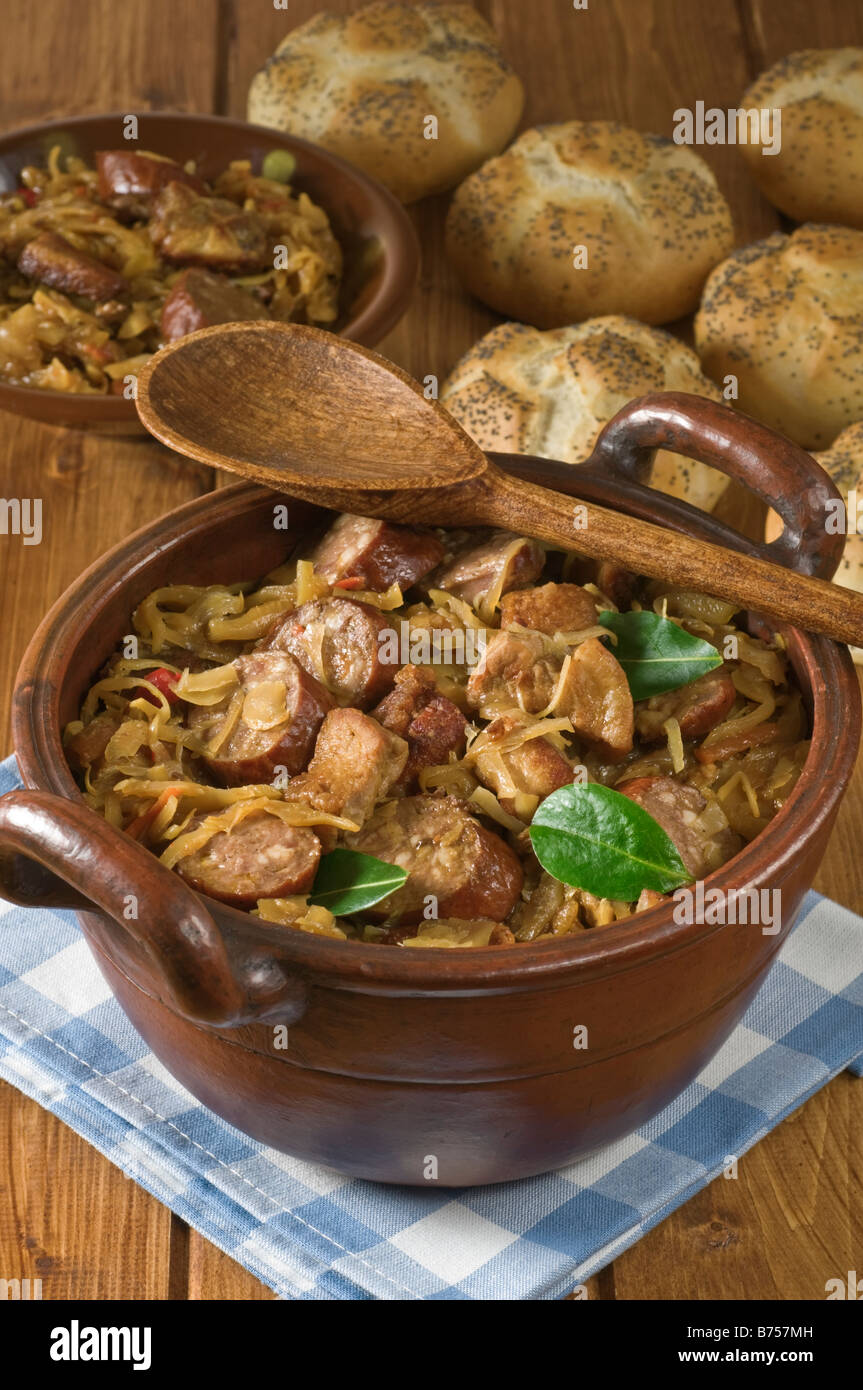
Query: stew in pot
x: 426, y: 738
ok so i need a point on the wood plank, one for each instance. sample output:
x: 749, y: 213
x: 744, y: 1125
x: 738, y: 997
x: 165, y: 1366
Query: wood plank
x: 214, y: 1275
x: 69, y: 1217
x: 773, y: 30
x: 159, y: 55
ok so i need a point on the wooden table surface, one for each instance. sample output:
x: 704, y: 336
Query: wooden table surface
x: 791, y: 1219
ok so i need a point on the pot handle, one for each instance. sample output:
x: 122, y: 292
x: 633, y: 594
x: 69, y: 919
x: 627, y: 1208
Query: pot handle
x: 779, y: 472
x: 58, y: 853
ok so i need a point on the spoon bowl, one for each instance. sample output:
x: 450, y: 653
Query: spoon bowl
x: 293, y: 409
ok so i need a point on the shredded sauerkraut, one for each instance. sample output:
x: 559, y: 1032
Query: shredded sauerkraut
x: 64, y: 341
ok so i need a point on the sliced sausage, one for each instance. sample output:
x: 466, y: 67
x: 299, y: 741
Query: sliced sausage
x: 54, y: 261
x: 260, y: 857
x: 200, y: 299
x: 502, y: 561
x: 448, y: 855
x: 513, y: 670
x: 697, y: 707
x: 532, y: 769
x: 356, y: 762
x: 679, y: 809
x: 281, y: 711
x: 187, y: 228
x: 432, y: 725
x: 597, y: 700
x: 551, y: 608
x: 338, y: 641
x: 129, y: 180
x: 375, y: 552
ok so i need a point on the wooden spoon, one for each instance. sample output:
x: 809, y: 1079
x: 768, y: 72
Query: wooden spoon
x: 318, y: 417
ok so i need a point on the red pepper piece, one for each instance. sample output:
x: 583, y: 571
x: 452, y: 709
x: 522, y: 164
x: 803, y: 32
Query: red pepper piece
x: 165, y: 681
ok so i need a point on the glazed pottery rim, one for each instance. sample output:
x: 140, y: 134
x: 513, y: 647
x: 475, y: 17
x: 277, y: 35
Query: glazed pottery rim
x: 402, y: 258
x: 649, y: 934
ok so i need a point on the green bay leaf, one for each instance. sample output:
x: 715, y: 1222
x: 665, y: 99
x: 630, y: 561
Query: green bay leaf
x: 656, y: 654
x: 348, y: 882
x: 592, y: 837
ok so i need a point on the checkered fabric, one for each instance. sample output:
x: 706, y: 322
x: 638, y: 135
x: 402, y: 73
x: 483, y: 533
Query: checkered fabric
x: 311, y: 1233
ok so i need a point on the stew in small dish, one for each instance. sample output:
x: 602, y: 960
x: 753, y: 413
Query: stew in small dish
x: 100, y: 267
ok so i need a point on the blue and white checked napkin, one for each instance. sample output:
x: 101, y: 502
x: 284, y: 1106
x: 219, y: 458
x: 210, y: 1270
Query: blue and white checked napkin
x: 311, y: 1233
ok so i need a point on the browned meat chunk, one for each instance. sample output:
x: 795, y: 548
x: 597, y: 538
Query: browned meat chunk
x: 551, y: 608
x: 87, y: 747
x: 207, y: 231
x: 199, y: 299
x: 501, y: 562
x: 129, y: 180
x: 270, y: 721
x: 260, y: 857
x: 522, y: 774
x: 436, y: 731
x: 355, y: 764
x: 338, y: 641
x: 413, y: 689
x: 597, y: 699
x: 54, y: 261
x: 449, y: 857
x: 432, y: 725
x: 516, y: 669
x: 375, y: 552
x: 697, y: 707
x: 680, y: 811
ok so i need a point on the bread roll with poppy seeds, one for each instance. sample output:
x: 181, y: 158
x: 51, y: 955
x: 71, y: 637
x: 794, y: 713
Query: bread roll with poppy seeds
x: 844, y: 462
x: 647, y: 214
x: 817, y: 173
x: 522, y: 391
x: 364, y: 84
x: 785, y: 316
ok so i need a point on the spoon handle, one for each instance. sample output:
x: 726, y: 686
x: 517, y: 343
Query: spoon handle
x: 747, y: 581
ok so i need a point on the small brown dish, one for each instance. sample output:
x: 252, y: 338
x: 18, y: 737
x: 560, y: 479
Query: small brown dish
x: 380, y: 247
x: 393, y: 1057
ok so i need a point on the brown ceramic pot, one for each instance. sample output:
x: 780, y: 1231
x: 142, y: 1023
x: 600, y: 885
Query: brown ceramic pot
x: 377, y: 236
x: 394, y: 1056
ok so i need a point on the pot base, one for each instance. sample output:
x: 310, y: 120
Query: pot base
x: 421, y: 1134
